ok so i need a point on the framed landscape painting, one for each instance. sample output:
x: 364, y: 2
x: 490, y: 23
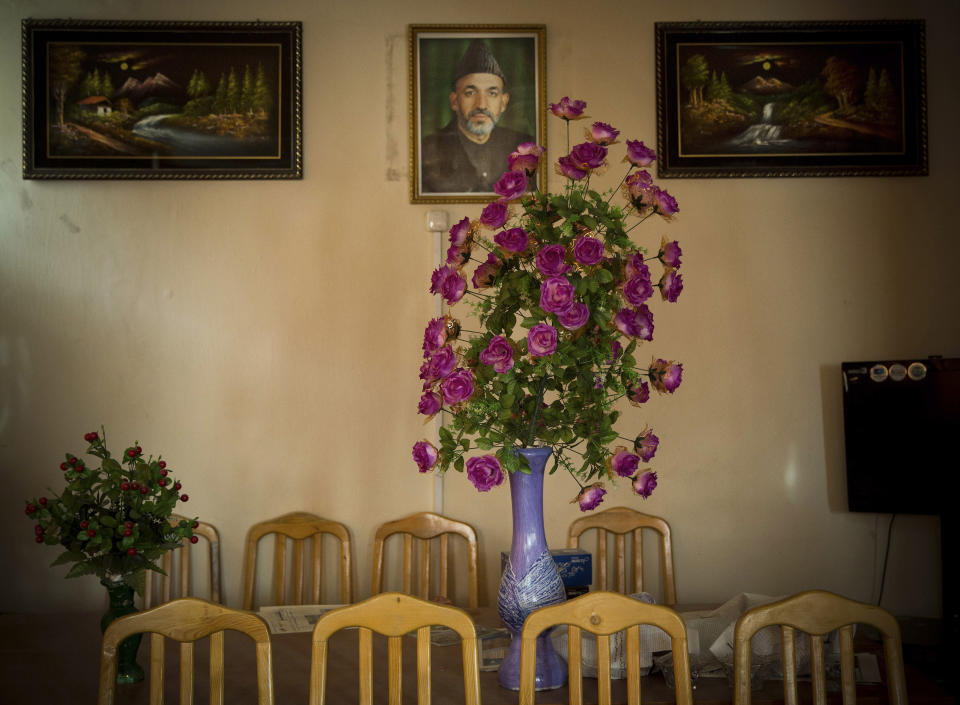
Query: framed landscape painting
x: 791, y: 99
x: 476, y: 92
x: 161, y: 100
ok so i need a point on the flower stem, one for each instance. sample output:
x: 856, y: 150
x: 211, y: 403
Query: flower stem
x: 642, y: 219
x: 629, y: 169
x: 536, y: 411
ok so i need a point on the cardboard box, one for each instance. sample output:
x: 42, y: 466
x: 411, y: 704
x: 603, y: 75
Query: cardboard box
x: 575, y: 565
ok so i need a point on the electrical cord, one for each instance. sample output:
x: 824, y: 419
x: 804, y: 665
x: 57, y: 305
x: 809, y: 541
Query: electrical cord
x: 886, y: 555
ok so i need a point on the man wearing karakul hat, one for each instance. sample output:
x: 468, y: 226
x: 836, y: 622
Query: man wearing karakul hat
x: 470, y: 153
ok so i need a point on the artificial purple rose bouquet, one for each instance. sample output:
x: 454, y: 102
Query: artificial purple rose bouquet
x: 561, y: 293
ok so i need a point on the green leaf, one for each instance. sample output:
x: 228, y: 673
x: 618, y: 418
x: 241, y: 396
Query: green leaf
x: 484, y: 443
x: 604, y: 276
x: 67, y: 557
x: 80, y: 569
x: 458, y: 464
x: 108, y: 520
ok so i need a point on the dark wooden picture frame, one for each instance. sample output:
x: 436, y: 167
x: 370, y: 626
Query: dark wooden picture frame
x: 447, y: 165
x: 751, y: 99
x: 161, y: 100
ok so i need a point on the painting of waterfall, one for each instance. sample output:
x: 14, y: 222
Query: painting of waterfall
x: 791, y: 99
x: 161, y: 99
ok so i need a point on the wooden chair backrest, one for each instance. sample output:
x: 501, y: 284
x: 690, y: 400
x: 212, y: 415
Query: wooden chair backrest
x: 424, y: 527
x: 621, y: 521
x: 818, y: 613
x: 394, y: 614
x: 186, y: 620
x: 603, y: 614
x: 165, y: 592
x: 297, y: 526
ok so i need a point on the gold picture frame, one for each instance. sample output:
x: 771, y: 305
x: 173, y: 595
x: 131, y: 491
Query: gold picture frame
x: 454, y: 159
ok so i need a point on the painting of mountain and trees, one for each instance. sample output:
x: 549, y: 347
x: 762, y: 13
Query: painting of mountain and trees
x: 200, y: 99
x: 788, y: 99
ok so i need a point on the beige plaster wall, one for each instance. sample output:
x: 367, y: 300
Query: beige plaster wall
x: 265, y: 337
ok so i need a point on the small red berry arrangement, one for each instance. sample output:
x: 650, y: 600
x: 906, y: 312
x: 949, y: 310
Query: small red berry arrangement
x: 112, y: 520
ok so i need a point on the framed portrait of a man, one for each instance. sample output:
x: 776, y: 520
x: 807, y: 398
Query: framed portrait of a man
x: 476, y: 93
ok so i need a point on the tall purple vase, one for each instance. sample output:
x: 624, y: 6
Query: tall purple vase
x: 530, y: 579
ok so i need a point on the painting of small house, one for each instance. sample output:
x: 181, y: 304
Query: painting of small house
x: 97, y: 104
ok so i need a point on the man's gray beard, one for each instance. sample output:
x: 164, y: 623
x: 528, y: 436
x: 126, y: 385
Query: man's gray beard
x: 481, y: 130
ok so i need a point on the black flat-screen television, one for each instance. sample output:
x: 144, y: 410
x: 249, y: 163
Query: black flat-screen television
x: 901, y: 429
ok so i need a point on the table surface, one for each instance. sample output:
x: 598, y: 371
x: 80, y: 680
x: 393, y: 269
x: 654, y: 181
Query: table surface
x: 54, y: 659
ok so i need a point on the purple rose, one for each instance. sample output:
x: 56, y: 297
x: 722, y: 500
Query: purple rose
x: 499, y: 354
x: 542, y: 340
x: 615, y: 349
x: 568, y: 109
x: 511, y: 185
x: 575, y: 316
x: 447, y: 282
x: 602, y: 133
x: 461, y: 242
x: 588, y: 155
x: 665, y: 376
x: 645, y: 483
x: 513, y: 240
x: 424, y: 455
x: 671, y: 284
x: 458, y: 255
x: 639, y: 154
x: 494, y: 215
x: 434, y: 336
x: 624, y: 463
x: 637, y: 290
x: 458, y: 386
x: 569, y: 168
x: 552, y: 260
x: 636, y: 267
x: 590, y: 497
x: 525, y: 158
x: 638, y: 186
x: 635, y: 323
x: 526, y: 163
x: 484, y: 472
x: 439, y: 365
x: 556, y: 295
x: 665, y: 203
x: 429, y: 404
x: 670, y: 253
x: 460, y: 233
x: 646, y: 445
x: 530, y: 148
x: 453, y: 287
x: 588, y: 250
x: 638, y: 394
x: 484, y: 274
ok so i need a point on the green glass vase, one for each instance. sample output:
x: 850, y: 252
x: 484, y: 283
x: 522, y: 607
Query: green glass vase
x: 121, y: 603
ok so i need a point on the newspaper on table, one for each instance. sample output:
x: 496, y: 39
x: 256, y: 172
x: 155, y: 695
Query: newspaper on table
x: 652, y: 640
x: 288, y: 619
x: 492, y: 643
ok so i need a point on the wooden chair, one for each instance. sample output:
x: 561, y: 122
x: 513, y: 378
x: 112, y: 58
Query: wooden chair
x: 297, y: 526
x: 426, y: 526
x: 394, y: 615
x: 817, y: 613
x: 604, y: 614
x: 186, y: 620
x: 621, y: 521
x: 203, y: 530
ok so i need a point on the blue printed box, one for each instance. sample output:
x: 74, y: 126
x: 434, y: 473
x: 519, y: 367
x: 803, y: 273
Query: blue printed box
x: 575, y: 565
